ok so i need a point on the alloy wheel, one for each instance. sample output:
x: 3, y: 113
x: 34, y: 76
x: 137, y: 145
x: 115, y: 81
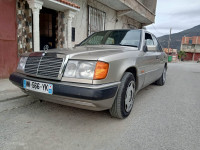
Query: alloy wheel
x: 129, y: 97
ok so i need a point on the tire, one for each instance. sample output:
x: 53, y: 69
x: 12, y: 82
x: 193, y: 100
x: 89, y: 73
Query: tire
x: 161, y: 81
x: 124, y: 100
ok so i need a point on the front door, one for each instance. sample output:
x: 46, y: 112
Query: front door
x: 48, y: 28
x: 151, y: 61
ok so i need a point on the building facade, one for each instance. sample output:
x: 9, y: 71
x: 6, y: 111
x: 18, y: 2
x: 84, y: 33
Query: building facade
x: 191, y: 45
x: 30, y: 25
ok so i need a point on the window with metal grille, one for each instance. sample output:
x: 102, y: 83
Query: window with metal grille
x: 96, y: 21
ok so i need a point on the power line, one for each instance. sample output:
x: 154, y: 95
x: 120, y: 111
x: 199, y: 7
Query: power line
x: 157, y: 30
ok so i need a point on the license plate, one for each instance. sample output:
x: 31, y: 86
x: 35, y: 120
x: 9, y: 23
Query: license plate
x: 38, y: 87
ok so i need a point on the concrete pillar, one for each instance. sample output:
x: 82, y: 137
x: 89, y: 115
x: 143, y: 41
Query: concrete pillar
x: 69, y: 15
x: 36, y: 5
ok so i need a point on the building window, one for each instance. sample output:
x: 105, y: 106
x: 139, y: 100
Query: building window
x: 96, y: 21
x: 190, y: 41
x: 73, y: 34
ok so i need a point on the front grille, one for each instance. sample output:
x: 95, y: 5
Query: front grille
x: 47, y: 67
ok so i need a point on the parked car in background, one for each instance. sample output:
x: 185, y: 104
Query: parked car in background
x: 105, y: 71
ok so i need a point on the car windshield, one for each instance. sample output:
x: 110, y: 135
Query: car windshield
x: 118, y: 37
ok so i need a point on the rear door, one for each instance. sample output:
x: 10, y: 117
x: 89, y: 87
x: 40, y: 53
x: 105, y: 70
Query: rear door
x: 160, y: 58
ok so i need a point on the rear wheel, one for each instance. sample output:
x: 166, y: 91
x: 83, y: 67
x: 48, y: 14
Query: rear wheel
x: 162, y: 79
x: 124, y: 100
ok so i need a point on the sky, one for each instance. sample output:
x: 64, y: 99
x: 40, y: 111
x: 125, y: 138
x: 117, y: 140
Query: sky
x: 176, y: 14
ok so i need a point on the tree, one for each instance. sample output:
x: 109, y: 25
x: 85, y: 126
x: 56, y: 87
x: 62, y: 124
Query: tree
x: 181, y: 55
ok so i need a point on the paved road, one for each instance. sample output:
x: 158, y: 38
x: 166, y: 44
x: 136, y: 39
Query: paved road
x: 163, y: 118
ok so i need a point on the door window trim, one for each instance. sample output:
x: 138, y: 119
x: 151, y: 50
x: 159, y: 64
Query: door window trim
x: 159, y: 47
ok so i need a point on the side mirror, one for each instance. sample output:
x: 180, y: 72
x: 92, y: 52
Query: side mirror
x: 151, y: 48
x: 145, y: 48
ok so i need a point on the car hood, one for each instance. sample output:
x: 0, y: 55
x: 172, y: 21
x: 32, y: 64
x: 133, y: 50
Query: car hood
x: 90, y: 52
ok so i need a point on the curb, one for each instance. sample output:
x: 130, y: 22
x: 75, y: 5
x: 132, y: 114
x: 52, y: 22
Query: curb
x: 11, y: 94
x: 16, y: 102
x: 13, y: 98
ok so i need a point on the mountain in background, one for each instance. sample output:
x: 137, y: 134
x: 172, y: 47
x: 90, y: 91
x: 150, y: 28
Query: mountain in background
x: 177, y: 37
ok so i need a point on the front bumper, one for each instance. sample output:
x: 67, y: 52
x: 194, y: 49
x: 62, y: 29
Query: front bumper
x: 86, y: 96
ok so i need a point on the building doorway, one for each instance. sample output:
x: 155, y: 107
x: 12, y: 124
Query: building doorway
x: 48, y: 28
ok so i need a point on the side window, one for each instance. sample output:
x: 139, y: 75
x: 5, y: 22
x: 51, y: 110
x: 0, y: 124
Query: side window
x: 155, y: 43
x: 148, y: 39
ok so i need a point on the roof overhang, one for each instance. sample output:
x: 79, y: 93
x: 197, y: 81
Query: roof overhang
x: 131, y: 8
x: 59, y: 6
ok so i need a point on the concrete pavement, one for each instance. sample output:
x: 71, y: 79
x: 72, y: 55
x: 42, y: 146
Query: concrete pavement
x: 9, y: 91
x: 163, y: 118
x: 12, y: 97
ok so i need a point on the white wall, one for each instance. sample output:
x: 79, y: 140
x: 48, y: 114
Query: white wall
x: 189, y: 48
x: 80, y: 22
x: 197, y: 47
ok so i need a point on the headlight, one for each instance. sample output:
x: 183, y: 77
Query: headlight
x: 80, y: 69
x: 86, y: 70
x: 22, y: 63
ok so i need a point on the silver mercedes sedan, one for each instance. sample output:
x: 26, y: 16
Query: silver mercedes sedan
x: 105, y: 71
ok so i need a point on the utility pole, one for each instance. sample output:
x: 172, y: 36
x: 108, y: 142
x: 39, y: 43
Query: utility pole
x: 169, y: 41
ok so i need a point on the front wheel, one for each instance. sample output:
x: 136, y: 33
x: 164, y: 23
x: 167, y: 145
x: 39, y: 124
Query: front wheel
x: 124, y: 100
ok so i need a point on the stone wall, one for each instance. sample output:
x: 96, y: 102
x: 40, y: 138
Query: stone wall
x: 24, y: 27
x: 60, y: 32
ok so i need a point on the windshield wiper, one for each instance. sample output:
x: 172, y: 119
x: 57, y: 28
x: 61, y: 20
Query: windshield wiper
x: 128, y: 45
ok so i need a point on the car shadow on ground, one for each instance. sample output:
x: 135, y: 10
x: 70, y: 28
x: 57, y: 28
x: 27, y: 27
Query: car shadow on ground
x: 45, y: 108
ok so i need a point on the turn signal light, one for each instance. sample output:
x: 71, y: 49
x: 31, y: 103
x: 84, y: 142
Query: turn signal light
x: 101, y: 70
